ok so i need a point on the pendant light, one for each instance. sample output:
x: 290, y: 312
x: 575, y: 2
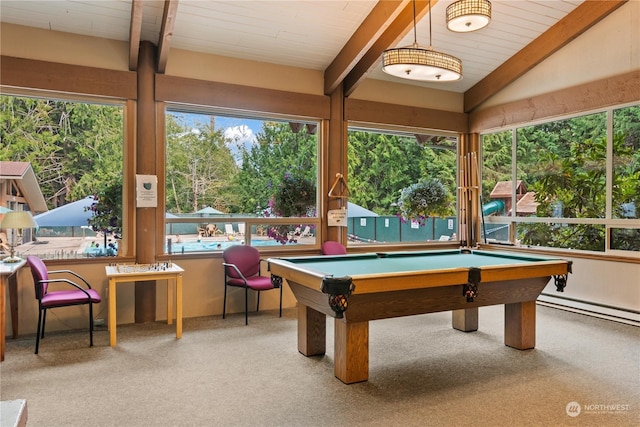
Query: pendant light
x: 465, y: 16
x: 417, y: 63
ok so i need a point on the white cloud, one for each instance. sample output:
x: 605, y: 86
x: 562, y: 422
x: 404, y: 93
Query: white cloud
x: 241, y: 135
x: 194, y: 131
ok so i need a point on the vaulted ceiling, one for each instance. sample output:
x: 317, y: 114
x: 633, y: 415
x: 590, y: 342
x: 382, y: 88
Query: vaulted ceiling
x: 343, y: 38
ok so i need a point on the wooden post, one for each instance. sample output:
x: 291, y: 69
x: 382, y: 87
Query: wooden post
x: 145, y: 292
x: 336, y: 162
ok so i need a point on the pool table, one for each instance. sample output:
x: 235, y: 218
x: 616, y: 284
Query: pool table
x: 355, y: 289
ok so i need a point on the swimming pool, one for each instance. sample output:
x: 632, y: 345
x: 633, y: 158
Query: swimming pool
x: 205, y: 246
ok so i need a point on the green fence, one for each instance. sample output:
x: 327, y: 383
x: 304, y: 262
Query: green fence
x: 392, y: 229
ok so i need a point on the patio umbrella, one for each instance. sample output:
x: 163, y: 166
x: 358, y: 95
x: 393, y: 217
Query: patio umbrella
x: 74, y: 214
x: 208, y: 210
x: 357, y: 211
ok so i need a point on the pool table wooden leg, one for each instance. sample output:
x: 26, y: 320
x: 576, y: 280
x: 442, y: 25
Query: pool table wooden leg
x: 351, y: 351
x: 465, y: 320
x: 312, y: 331
x: 520, y: 325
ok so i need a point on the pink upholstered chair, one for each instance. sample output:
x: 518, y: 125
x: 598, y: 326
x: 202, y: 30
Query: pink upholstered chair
x: 331, y: 247
x: 242, y: 270
x: 47, y: 299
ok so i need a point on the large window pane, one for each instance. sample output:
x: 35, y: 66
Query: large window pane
x: 564, y: 164
x: 561, y: 175
x: 381, y: 165
x: 625, y: 239
x: 237, y: 178
x: 496, y: 182
x: 626, y: 163
x: 74, y: 155
x: 567, y: 236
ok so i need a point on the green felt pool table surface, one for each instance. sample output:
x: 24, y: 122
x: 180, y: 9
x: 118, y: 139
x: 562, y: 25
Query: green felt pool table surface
x: 402, y: 262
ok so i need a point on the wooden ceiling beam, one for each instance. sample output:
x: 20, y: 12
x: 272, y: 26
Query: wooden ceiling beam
x: 135, y: 30
x: 166, y: 33
x: 564, y: 31
x: 392, y: 35
x: 362, y: 40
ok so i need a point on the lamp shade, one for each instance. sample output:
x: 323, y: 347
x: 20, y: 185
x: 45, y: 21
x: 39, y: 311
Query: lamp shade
x: 417, y: 63
x: 464, y: 16
x: 18, y: 220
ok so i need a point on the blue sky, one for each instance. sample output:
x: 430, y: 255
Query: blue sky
x: 241, y: 130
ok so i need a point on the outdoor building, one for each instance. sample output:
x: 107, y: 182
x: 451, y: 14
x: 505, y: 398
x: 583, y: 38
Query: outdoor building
x: 19, y: 188
x: 502, y: 191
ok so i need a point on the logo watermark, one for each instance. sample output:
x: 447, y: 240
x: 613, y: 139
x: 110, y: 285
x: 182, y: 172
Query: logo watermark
x: 573, y: 409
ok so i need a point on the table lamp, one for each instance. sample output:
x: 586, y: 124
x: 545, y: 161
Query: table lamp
x: 16, y: 221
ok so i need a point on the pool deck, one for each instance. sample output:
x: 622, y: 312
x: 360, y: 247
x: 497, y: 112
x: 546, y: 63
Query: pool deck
x: 55, y: 247
x: 76, y: 247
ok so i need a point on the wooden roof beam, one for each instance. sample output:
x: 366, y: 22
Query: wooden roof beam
x: 166, y: 33
x: 382, y: 15
x: 134, y: 33
x: 571, y: 26
x: 391, y: 36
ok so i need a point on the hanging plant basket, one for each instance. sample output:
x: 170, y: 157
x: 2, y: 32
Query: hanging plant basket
x: 295, y: 197
x: 423, y: 199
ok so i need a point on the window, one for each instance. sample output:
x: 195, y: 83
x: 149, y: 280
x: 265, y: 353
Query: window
x: 575, y: 184
x: 239, y: 180
x: 382, y: 164
x: 72, y: 153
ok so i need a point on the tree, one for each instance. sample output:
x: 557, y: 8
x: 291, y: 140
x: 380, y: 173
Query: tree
x: 200, y: 167
x: 107, y: 212
x: 74, y: 148
x: 381, y: 164
x: 569, y: 179
x: 277, y: 153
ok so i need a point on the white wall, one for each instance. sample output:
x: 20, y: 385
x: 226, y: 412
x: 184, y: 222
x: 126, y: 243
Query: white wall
x: 66, y: 48
x: 600, y: 286
x: 612, y: 47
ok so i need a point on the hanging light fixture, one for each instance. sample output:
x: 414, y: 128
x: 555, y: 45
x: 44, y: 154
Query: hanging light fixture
x: 417, y: 63
x: 465, y: 16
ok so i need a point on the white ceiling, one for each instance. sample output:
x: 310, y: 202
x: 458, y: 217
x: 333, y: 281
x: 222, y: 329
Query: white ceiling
x: 307, y: 33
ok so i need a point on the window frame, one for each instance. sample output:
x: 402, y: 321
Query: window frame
x: 125, y: 246
x: 248, y: 221
x: 410, y: 131
x: 608, y: 222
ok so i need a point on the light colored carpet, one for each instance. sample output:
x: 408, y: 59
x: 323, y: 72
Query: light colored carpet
x: 422, y: 373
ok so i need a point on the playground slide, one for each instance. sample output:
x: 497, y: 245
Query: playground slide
x: 493, y: 207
